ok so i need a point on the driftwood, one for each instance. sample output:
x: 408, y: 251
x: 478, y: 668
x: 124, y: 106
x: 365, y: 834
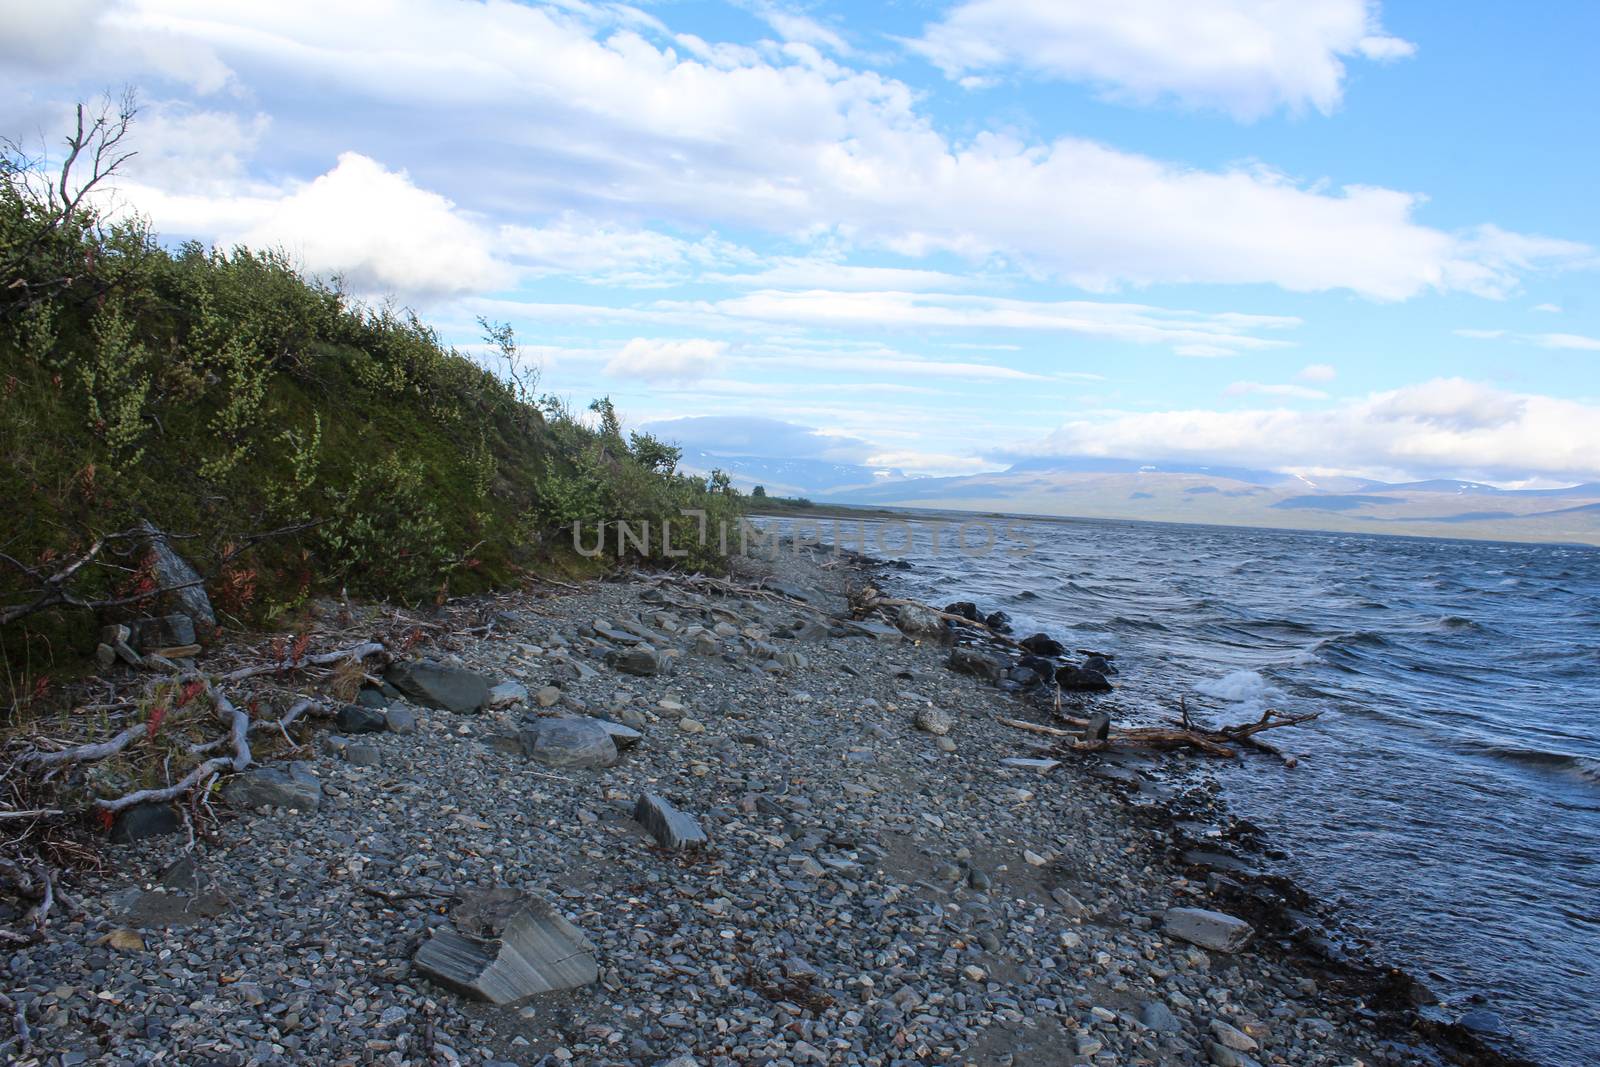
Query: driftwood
x: 359, y: 652
x: 1185, y: 735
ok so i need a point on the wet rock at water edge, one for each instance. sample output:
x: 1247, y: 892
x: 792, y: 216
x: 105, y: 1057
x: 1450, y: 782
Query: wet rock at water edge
x: 964, y: 608
x: 569, y: 742
x: 669, y: 826
x: 1043, y: 645
x: 1080, y: 680
x: 922, y: 624
x: 537, y: 951
x: 1098, y: 728
x: 978, y: 664
x: 274, y: 787
x: 357, y: 719
x: 640, y: 660
x: 1214, y: 930
x: 435, y: 685
x: 999, y: 622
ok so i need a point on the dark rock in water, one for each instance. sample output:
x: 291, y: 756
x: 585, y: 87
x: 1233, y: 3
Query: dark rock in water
x: 166, y: 631
x: 1099, y: 727
x: 1043, y: 645
x: 1098, y: 663
x: 979, y: 664
x: 1208, y: 929
x: 667, y: 824
x: 1483, y: 1021
x: 142, y: 821
x: 538, y: 951
x: 965, y: 608
x: 998, y: 621
x: 923, y: 624
x: 172, y: 571
x: 1078, y: 680
x: 357, y: 719
x: 271, y: 786
x: 571, y: 741
x: 900, y: 564
x: 435, y: 685
x: 640, y: 660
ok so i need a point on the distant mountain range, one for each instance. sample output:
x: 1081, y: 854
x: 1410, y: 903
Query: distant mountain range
x: 1094, y: 487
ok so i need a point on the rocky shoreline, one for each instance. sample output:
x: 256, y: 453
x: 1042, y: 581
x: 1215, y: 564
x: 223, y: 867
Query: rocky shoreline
x: 779, y: 838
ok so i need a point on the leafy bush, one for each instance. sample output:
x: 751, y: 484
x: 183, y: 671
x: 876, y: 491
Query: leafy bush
x: 222, y: 396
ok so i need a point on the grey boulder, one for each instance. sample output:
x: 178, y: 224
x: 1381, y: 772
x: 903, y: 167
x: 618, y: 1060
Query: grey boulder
x: 672, y: 828
x: 1208, y: 929
x: 537, y: 951
x: 272, y: 787
x: 173, y: 573
x: 923, y: 624
x: 569, y: 742
x: 435, y: 685
x: 977, y: 663
x: 640, y: 660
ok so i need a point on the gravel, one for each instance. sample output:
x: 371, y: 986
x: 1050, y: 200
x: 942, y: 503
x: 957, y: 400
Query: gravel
x: 867, y: 895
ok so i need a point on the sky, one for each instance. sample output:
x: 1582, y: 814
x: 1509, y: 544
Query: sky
x: 929, y: 236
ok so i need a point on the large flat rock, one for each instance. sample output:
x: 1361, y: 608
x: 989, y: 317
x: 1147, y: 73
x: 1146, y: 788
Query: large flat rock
x: 569, y: 741
x: 1208, y: 929
x: 539, y: 951
x: 435, y: 685
x: 672, y: 828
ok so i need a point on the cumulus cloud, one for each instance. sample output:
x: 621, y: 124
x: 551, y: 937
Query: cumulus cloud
x: 1448, y: 427
x: 594, y: 109
x: 372, y: 226
x: 1245, y: 57
x: 655, y: 360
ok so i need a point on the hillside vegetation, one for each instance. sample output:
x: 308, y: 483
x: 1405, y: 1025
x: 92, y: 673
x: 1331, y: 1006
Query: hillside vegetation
x: 291, y: 440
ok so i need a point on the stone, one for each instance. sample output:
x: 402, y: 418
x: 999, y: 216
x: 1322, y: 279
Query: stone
x: 1223, y: 1056
x: 944, y: 744
x: 569, y: 741
x: 1069, y: 904
x: 1233, y: 1037
x: 372, y: 698
x: 162, y: 631
x: 505, y: 694
x: 171, y: 571
x: 1043, y: 645
x: 356, y: 719
x: 934, y: 720
x: 105, y: 656
x: 1080, y: 680
x: 977, y: 663
x: 1158, y: 1017
x: 964, y: 608
x: 669, y: 826
x: 878, y: 631
x: 1025, y: 763
x: 142, y: 821
x: 999, y: 622
x: 691, y: 726
x: 364, y: 755
x: 621, y: 736
x: 274, y: 787
x: 640, y: 660
x: 548, y: 696
x: 1208, y: 929
x: 400, y: 720
x: 1098, y: 727
x: 435, y: 685
x: 538, y: 951
x: 923, y: 624
x: 705, y: 645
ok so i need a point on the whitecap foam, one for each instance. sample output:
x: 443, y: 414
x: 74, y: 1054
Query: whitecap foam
x: 1236, y: 687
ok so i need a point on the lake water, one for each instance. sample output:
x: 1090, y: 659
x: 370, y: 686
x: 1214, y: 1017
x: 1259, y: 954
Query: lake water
x: 1448, y: 798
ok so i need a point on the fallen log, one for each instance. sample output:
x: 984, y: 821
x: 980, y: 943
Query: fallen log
x: 1212, y: 742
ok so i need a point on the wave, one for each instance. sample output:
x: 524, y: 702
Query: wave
x: 1586, y: 768
x: 1458, y: 622
x: 1236, y: 687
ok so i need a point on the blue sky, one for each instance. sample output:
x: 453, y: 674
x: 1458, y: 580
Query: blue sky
x: 1326, y: 236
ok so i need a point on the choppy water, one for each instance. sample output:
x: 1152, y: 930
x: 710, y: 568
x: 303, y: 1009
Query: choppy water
x: 1449, y: 797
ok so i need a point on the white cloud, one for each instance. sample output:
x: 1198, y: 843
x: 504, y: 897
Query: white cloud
x: 44, y: 35
x: 1138, y: 323
x: 612, y: 254
x: 1550, y: 309
x: 1573, y: 341
x: 1245, y: 57
x: 595, y: 110
x: 1446, y: 427
x: 1566, y: 341
x: 371, y: 225
x: 1298, y: 392
x: 655, y: 360
x: 1319, y: 372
